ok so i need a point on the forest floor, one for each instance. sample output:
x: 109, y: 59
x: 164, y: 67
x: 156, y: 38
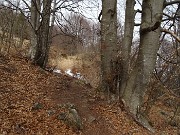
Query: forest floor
x: 23, y: 85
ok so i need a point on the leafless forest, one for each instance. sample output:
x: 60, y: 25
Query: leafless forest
x: 89, y: 67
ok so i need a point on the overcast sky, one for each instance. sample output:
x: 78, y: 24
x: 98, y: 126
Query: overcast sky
x: 91, y: 9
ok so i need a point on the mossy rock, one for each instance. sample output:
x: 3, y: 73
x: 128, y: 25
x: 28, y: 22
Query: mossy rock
x: 71, y: 119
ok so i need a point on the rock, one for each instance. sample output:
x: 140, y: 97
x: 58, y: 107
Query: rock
x: 60, y: 105
x: 91, y: 119
x: 67, y: 105
x: 62, y: 116
x: 37, y: 106
x: 71, y: 118
x: 174, y: 123
x: 74, y: 119
x: 50, y: 112
x: 70, y: 106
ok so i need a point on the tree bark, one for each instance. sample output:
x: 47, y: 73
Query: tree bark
x: 178, y: 46
x: 145, y: 64
x: 127, y: 42
x: 108, y: 43
x: 41, y: 56
x: 52, y: 20
x: 35, y: 23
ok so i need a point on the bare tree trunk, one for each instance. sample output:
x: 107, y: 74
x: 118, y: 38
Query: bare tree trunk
x: 149, y: 45
x: 52, y: 21
x: 41, y: 56
x: 35, y: 24
x: 176, y: 118
x: 108, y: 43
x: 40, y: 32
x: 178, y: 46
x: 127, y: 42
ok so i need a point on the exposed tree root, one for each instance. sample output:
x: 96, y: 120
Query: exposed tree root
x: 138, y: 117
x: 144, y: 122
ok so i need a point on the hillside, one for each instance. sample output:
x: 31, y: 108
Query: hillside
x: 32, y: 100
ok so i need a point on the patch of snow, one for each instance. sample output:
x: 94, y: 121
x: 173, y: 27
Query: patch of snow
x: 69, y: 72
x: 79, y: 76
x: 57, y: 71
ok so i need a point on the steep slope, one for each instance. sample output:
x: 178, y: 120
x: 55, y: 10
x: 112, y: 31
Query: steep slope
x: 31, y: 100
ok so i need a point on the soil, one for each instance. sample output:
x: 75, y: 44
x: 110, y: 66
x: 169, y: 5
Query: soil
x: 23, y: 85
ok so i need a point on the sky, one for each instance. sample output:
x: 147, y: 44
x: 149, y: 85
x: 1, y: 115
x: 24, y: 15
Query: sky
x: 91, y: 9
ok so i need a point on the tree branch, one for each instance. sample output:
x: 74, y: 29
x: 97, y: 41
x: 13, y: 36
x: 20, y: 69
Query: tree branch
x: 171, y: 33
x: 151, y: 28
x: 171, y: 3
x: 137, y: 24
x: 26, y: 4
x: 167, y: 61
x: 99, y: 17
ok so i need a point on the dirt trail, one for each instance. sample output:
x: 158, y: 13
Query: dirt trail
x: 82, y: 98
x: 23, y: 85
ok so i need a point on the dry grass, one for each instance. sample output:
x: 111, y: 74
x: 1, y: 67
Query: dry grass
x: 88, y: 64
x: 15, y: 47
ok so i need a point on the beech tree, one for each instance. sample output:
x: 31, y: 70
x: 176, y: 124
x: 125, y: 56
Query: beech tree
x: 134, y: 80
x: 34, y: 22
x: 40, y: 30
x: 108, y: 43
x: 139, y: 77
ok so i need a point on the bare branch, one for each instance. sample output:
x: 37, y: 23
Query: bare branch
x: 151, y: 28
x: 171, y: 3
x: 26, y: 4
x: 99, y: 17
x: 167, y: 91
x: 139, y: 3
x: 138, y: 11
x: 167, y: 61
x: 137, y: 24
x: 168, y: 17
x: 171, y: 33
